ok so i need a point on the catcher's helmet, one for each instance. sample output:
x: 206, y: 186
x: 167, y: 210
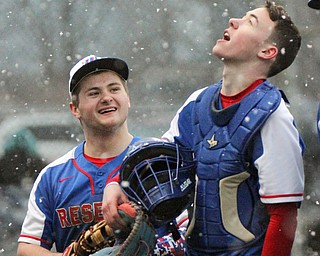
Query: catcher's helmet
x: 159, y: 175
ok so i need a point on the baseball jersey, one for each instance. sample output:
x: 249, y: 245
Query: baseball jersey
x: 220, y: 215
x: 66, y: 199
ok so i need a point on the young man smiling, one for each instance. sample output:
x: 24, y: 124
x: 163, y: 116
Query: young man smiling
x: 66, y: 197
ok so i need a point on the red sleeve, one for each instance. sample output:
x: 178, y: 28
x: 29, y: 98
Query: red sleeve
x: 281, y: 230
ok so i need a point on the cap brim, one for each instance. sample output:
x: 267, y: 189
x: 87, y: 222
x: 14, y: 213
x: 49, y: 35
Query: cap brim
x: 113, y: 64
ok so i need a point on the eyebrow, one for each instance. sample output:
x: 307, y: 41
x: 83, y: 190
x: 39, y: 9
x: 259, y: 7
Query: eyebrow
x: 254, y: 16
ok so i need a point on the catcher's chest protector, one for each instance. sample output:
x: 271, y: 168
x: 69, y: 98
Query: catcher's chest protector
x: 228, y: 212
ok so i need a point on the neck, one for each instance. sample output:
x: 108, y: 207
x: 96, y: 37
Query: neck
x: 107, y: 144
x: 237, y: 79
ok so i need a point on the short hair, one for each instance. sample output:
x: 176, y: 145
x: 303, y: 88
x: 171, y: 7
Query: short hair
x: 76, y: 91
x: 285, y: 36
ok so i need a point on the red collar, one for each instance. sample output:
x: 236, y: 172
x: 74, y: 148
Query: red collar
x: 98, y: 161
x: 227, y: 101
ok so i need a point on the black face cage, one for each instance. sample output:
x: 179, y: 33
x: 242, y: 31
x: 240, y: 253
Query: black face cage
x: 160, y: 176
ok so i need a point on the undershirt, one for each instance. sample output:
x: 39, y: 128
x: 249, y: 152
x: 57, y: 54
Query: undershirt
x: 99, y: 161
x: 227, y: 101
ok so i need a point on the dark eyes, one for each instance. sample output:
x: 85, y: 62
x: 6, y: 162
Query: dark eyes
x: 112, y: 89
x: 115, y: 89
x: 93, y: 93
x: 249, y: 19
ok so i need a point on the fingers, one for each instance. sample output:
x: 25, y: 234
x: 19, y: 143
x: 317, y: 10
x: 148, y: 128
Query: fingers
x: 112, y: 197
x: 113, y: 218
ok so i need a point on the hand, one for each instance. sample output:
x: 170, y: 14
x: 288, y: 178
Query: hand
x: 112, y: 197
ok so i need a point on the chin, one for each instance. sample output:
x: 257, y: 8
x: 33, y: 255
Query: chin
x: 216, y: 53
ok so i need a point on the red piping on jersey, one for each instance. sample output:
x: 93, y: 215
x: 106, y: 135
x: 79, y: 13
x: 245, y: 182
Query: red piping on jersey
x: 36, y: 238
x: 182, y: 221
x: 85, y: 173
x: 115, y: 170
x: 284, y: 195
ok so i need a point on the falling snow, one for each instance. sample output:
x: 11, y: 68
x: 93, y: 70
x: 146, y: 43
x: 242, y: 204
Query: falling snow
x: 167, y: 45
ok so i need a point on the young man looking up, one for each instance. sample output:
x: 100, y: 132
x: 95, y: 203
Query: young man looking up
x: 250, y: 177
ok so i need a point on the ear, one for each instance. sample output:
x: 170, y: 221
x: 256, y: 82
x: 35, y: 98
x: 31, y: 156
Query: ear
x: 74, y: 110
x: 268, y: 53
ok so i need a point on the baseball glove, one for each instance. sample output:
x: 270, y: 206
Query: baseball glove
x: 100, y: 240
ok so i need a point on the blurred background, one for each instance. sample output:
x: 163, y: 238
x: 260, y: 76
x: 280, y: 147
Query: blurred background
x: 167, y: 44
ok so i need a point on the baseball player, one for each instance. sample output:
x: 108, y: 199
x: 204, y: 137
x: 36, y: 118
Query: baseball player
x: 250, y: 177
x: 67, y: 195
x: 249, y: 152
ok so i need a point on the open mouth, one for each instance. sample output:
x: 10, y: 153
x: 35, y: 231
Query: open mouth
x: 107, y: 110
x: 226, y: 36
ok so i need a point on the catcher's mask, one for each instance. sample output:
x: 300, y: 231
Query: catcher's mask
x: 159, y: 175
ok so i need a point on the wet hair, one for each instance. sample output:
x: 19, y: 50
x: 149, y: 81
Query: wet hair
x: 76, y: 91
x: 285, y: 36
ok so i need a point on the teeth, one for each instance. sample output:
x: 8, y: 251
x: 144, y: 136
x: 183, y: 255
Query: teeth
x: 107, y: 110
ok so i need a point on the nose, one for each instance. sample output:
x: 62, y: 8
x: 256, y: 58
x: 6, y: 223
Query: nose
x: 234, y: 23
x: 106, y: 97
